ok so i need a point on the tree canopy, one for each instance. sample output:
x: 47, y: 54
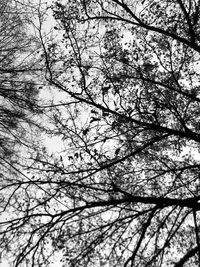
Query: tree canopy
x: 19, y: 105
x: 124, y: 190
x: 18, y: 91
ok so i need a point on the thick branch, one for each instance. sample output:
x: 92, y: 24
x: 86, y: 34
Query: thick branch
x: 160, y: 202
x: 139, y: 23
x: 145, y: 227
x: 186, y: 257
x: 152, y: 126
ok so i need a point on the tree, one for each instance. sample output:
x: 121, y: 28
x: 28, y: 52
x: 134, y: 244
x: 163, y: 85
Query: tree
x: 18, y: 91
x: 19, y: 103
x: 125, y: 189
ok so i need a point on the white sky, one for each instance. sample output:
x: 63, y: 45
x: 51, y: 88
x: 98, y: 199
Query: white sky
x: 4, y: 264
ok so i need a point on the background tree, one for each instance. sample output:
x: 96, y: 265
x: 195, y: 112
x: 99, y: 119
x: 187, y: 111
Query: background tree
x: 124, y: 191
x: 18, y: 91
x: 20, y: 111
